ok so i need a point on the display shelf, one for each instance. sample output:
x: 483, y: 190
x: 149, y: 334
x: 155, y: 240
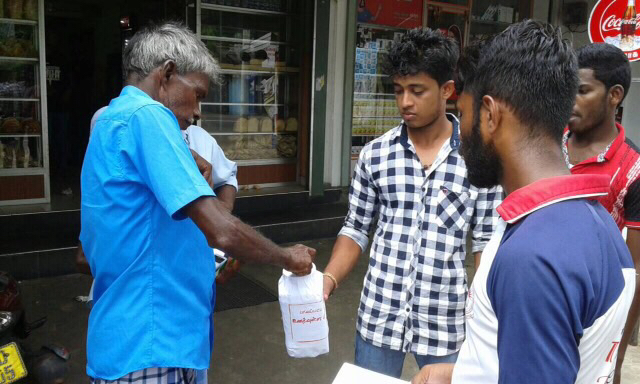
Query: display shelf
x: 374, y: 94
x: 384, y: 51
x: 377, y: 117
x: 5, y: 135
x: 451, y: 5
x: 372, y: 74
x: 491, y: 22
x: 251, y: 133
x: 22, y: 171
x: 239, y: 40
x: 239, y: 69
x: 242, y: 104
x: 18, y: 21
x: 21, y: 99
x: 19, y: 59
x: 246, y: 163
x: 495, y: 20
x: 23, y: 74
x: 374, y: 109
x: 233, y: 34
x: 379, y: 26
x: 250, y: 11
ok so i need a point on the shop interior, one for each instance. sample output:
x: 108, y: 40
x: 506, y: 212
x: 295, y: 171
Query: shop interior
x: 84, y: 41
x: 259, y: 113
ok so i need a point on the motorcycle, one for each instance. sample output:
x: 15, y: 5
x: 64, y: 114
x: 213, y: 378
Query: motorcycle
x: 18, y: 362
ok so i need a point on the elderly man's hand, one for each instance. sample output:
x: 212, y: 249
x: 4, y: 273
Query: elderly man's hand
x: 300, y: 259
x: 434, y: 374
x: 206, y: 169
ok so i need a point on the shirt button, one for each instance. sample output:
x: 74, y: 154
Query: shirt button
x: 408, y: 309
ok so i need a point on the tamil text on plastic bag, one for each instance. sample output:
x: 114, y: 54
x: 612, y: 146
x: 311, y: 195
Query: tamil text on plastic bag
x: 304, y: 316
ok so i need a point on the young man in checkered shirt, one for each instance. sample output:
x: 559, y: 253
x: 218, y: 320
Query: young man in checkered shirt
x: 415, y: 181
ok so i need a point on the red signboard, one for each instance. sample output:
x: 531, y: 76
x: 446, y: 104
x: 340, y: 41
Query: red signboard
x: 616, y: 22
x: 394, y: 13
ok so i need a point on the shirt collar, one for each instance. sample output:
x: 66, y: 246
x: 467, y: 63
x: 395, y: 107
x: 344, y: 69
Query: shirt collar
x: 605, y: 155
x: 455, y: 135
x: 133, y: 91
x: 454, y: 141
x: 542, y: 193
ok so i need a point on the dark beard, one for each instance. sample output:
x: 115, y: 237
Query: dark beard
x: 484, y: 169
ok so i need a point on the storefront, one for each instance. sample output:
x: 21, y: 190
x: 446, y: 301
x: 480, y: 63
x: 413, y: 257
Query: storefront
x: 375, y: 24
x: 24, y: 161
x: 260, y: 114
x: 60, y: 61
x: 302, y: 89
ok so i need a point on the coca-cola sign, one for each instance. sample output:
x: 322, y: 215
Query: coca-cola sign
x: 612, y: 22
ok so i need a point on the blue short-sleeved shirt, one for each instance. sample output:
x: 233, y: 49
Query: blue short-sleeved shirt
x: 154, y: 273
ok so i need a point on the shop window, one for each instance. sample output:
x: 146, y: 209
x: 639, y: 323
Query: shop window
x: 22, y: 149
x: 258, y: 112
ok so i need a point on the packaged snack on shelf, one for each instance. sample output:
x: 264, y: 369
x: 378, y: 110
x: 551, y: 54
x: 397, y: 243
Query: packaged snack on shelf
x: 266, y: 125
x: 15, y: 9
x: 240, y: 125
x: 31, y: 126
x: 292, y: 124
x: 30, y: 9
x: 11, y: 125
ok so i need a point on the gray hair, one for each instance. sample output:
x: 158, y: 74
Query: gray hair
x: 152, y: 46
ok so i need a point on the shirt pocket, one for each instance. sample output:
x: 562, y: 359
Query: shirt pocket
x: 451, y: 208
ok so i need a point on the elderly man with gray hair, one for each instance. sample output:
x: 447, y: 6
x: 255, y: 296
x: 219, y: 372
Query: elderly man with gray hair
x: 149, y: 219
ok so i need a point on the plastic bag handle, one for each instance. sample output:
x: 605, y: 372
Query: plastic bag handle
x: 290, y: 274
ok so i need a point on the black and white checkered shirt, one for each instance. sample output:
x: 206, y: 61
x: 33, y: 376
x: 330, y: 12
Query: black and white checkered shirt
x: 415, y: 288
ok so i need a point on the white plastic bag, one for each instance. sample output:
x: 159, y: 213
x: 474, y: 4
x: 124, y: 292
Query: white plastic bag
x: 304, y: 316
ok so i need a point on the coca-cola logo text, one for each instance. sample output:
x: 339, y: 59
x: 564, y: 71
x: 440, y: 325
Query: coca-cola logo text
x: 607, y: 24
x: 613, y: 23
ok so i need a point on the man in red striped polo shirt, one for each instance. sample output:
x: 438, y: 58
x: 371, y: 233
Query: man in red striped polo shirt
x: 595, y: 143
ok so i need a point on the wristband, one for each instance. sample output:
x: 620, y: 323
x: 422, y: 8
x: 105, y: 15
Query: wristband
x: 332, y: 278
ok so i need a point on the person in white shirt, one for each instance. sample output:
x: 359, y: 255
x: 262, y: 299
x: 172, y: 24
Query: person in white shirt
x: 224, y: 171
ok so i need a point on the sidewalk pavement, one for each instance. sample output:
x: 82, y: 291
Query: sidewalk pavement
x: 249, y: 342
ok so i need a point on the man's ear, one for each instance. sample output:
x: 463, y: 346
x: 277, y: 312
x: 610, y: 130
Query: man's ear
x: 616, y: 94
x: 447, y: 89
x: 493, y: 114
x: 167, y: 71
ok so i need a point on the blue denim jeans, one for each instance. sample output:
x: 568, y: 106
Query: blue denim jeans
x: 390, y: 362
